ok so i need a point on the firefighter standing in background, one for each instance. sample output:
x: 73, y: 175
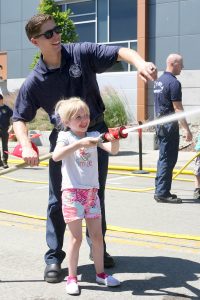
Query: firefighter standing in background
x: 5, y: 122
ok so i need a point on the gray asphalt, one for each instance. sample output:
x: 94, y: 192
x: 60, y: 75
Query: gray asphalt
x: 156, y: 246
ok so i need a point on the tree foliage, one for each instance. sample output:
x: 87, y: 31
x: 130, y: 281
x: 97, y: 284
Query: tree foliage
x: 61, y: 18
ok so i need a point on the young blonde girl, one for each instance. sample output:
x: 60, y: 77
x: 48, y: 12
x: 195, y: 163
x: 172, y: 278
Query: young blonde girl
x: 77, y: 149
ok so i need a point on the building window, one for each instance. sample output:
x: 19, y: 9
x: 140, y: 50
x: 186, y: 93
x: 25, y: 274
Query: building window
x: 123, y: 20
x: 84, y: 17
x: 105, y: 21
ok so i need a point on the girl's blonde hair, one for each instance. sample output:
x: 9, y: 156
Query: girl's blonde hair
x: 67, y: 108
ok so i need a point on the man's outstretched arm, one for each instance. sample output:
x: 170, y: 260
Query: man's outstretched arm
x: 146, y: 70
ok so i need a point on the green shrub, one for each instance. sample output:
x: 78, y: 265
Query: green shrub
x: 115, y: 113
x: 40, y: 122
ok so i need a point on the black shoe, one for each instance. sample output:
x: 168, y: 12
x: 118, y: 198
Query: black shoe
x: 1, y: 163
x: 174, y: 196
x: 5, y: 166
x: 196, y: 194
x: 52, y: 273
x: 108, y: 261
x: 168, y: 199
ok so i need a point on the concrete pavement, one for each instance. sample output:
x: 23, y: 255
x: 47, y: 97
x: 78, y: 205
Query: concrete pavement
x: 156, y: 246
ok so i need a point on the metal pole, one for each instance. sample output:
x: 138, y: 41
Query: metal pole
x: 140, y: 145
x: 140, y: 171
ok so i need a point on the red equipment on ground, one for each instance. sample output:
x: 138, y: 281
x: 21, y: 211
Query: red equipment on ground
x: 18, y: 150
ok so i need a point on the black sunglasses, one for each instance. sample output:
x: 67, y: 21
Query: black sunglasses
x: 49, y: 33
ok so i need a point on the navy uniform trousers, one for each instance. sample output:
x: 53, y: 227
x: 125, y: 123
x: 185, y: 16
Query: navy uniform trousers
x: 4, y: 139
x: 55, y: 226
x: 168, y: 139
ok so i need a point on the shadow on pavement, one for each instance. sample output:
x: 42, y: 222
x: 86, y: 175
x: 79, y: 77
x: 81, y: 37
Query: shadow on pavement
x: 191, y: 201
x: 20, y: 281
x: 152, y: 276
x: 160, y: 273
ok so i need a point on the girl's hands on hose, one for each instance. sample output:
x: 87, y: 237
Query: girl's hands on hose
x: 88, y: 142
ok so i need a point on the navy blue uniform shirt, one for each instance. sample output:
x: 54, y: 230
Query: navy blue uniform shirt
x: 166, y: 90
x: 76, y: 77
x: 5, y: 115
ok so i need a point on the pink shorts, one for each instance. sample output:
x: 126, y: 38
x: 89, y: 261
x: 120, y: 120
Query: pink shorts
x: 80, y: 203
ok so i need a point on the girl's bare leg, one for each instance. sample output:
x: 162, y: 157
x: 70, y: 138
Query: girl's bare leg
x: 95, y: 233
x: 75, y: 239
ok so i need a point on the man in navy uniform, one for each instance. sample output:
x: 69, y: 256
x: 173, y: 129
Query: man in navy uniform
x: 64, y: 71
x: 5, y: 122
x: 168, y: 100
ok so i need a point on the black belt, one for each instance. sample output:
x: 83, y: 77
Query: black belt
x: 96, y: 121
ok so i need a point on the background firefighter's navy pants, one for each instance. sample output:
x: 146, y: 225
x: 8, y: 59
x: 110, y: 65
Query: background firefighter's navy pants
x: 168, y: 138
x: 4, y: 139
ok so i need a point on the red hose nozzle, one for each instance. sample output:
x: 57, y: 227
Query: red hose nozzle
x: 117, y: 133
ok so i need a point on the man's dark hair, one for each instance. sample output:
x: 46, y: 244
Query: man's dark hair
x: 34, y: 24
x: 1, y: 97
